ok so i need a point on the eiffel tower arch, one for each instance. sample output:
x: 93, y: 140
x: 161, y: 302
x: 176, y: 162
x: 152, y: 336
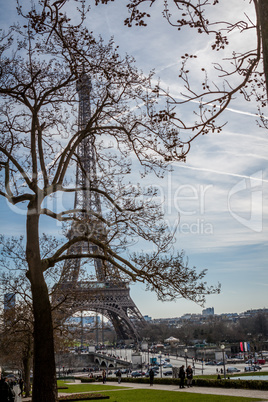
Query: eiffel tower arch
x: 108, y: 295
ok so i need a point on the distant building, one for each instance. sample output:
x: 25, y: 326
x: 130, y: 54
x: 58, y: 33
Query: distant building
x: 147, y: 318
x: 87, y: 320
x: 208, y: 314
x: 252, y: 312
x: 9, y: 307
x: 9, y: 301
x: 208, y: 311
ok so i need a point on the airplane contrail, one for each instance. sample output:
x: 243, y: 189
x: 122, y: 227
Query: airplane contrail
x: 229, y: 109
x: 180, y: 96
x: 220, y: 172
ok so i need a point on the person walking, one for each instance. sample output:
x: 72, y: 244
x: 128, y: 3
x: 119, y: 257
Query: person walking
x: 119, y: 376
x: 182, y: 376
x: 104, y: 376
x: 151, y: 376
x: 189, y: 376
x: 21, y: 385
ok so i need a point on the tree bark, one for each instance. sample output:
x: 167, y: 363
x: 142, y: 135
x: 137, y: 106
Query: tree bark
x: 263, y: 16
x: 44, y: 369
x: 27, y: 369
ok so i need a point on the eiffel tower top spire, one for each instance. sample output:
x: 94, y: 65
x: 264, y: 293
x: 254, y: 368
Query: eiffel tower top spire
x: 86, y: 166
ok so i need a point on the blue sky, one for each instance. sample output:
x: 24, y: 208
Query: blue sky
x: 220, y: 193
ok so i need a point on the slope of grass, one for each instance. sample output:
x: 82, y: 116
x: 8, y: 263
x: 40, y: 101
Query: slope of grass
x: 121, y: 394
x: 85, y: 387
x: 142, y: 395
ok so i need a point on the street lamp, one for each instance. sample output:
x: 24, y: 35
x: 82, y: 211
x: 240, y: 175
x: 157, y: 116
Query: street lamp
x: 185, y: 351
x: 160, y: 356
x: 223, y: 359
x: 147, y: 340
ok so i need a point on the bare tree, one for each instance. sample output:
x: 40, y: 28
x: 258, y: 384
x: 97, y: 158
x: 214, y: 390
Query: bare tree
x: 243, y: 73
x: 41, y: 62
x: 16, y: 345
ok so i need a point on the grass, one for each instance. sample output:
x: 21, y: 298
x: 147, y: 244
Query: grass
x: 141, y: 395
x: 122, y: 394
x: 85, y: 387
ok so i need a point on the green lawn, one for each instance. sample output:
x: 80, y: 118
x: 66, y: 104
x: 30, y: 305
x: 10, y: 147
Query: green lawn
x: 85, y: 387
x: 121, y: 394
x: 142, y: 395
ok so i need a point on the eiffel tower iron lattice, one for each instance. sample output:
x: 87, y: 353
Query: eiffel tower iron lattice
x: 109, y: 294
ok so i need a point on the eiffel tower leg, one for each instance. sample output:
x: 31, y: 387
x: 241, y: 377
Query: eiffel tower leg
x: 119, y: 328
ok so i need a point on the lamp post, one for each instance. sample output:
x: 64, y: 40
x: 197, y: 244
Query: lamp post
x: 82, y: 332
x: 223, y: 359
x: 148, y: 352
x: 160, y: 356
x: 185, y: 351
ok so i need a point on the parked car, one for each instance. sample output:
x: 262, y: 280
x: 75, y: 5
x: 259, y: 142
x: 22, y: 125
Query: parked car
x: 12, y: 377
x: 168, y: 365
x: 257, y: 367
x: 251, y: 368
x: 136, y: 374
x: 233, y: 370
x: 211, y: 363
x: 168, y: 372
x: 125, y: 371
x: 220, y: 364
x: 147, y: 374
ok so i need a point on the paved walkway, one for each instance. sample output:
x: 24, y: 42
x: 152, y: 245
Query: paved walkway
x: 196, y: 390
x: 201, y: 390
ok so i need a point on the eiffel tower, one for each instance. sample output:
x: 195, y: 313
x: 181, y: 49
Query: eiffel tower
x: 108, y: 295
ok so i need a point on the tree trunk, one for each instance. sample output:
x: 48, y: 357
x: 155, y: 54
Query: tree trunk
x: 44, y: 369
x: 263, y: 15
x: 27, y: 370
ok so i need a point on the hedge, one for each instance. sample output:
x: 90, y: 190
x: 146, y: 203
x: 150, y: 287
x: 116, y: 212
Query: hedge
x: 83, y: 397
x: 199, y: 382
x: 246, y: 384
